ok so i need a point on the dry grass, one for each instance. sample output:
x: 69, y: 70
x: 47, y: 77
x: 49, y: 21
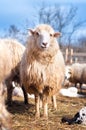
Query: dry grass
x: 24, y: 115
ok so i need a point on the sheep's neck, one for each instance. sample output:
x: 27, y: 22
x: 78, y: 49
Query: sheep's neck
x: 43, y: 57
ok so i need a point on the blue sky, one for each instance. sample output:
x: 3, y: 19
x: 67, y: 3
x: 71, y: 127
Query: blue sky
x: 18, y: 11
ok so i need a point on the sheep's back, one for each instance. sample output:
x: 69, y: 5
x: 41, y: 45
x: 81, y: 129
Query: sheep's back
x: 77, y: 72
x: 5, y: 61
x: 16, y: 50
x: 11, y: 52
x: 83, y: 76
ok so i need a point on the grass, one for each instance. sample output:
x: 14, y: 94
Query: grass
x: 23, y: 116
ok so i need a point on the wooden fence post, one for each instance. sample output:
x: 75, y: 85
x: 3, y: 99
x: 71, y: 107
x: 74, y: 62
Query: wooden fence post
x: 71, y: 56
x: 66, y: 55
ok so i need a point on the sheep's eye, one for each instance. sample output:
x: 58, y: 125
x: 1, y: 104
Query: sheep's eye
x: 37, y: 33
x: 83, y: 114
x: 51, y: 35
x: 69, y: 72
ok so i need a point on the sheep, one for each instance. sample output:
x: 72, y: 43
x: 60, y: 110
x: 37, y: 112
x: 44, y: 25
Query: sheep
x: 42, y: 66
x: 5, y: 116
x: 11, y: 64
x: 77, y: 74
x: 79, y: 118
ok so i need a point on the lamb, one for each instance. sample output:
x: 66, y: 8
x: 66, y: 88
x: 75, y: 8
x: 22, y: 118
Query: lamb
x: 42, y: 66
x: 11, y: 63
x: 79, y: 118
x: 77, y: 74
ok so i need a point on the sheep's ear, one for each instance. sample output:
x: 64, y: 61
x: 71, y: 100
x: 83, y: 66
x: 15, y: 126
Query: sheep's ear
x: 31, y: 31
x: 70, y: 71
x: 57, y: 34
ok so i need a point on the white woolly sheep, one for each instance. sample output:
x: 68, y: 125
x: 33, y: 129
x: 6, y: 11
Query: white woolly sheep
x: 11, y: 63
x: 5, y: 117
x: 42, y: 66
x: 4, y: 114
x: 77, y: 74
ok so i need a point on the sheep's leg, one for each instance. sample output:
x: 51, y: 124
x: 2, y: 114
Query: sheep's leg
x: 41, y: 97
x: 9, y: 93
x: 80, y: 87
x: 45, y: 106
x: 54, y: 102
x: 40, y: 103
x: 25, y: 95
x: 76, y: 85
x: 37, y: 104
x: 5, y: 123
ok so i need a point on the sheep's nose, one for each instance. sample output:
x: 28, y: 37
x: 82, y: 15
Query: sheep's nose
x: 65, y: 77
x: 44, y: 43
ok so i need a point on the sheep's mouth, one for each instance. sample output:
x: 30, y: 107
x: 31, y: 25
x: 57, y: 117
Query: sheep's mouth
x: 44, y: 47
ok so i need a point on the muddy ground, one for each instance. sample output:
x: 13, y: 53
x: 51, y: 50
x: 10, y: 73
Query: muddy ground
x: 23, y: 116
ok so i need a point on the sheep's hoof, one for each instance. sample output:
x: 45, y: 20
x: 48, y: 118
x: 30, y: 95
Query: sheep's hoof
x: 45, y: 117
x: 55, y: 108
x: 26, y: 102
x: 37, y: 116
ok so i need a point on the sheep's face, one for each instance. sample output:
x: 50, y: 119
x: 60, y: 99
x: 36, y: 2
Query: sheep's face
x: 43, y: 38
x: 82, y: 116
x: 68, y: 72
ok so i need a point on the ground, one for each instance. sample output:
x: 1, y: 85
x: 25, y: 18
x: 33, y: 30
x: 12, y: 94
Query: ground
x: 23, y: 116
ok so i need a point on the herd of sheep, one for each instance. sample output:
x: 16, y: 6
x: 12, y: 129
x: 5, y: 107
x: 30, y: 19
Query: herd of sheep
x: 39, y: 69
x: 76, y: 74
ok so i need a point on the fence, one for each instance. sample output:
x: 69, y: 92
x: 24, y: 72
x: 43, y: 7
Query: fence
x: 71, y: 57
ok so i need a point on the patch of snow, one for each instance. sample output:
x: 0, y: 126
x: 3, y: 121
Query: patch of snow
x: 70, y: 92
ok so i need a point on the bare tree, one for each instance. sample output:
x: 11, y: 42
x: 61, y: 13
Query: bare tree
x: 82, y: 43
x: 16, y: 33
x: 62, y: 19
x: 13, y: 31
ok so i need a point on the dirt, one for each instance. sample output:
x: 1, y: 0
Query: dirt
x: 23, y: 116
